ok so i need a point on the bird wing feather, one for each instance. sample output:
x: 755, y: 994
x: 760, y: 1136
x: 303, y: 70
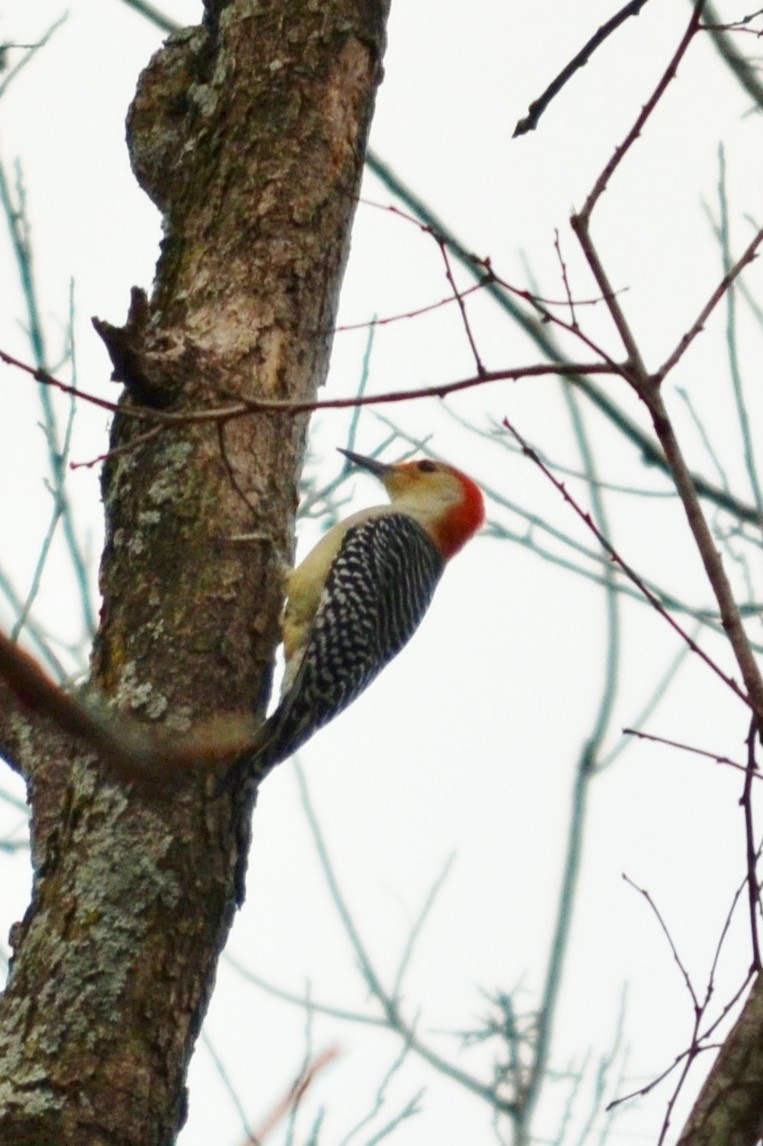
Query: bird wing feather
x: 376, y: 594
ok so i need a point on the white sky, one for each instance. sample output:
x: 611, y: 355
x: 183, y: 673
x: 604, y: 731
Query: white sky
x: 469, y: 741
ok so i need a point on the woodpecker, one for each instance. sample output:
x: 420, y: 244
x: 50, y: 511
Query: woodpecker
x: 360, y: 594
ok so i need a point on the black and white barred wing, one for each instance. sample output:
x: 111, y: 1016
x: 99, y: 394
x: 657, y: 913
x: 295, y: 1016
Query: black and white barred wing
x: 378, y: 589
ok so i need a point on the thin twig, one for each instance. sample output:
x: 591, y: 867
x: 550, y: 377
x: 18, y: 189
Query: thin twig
x: 458, y: 296
x: 20, y: 235
x: 627, y: 569
x: 415, y: 312
x: 647, y: 387
x: 751, y: 850
x: 658, y: 692
x: 565, y: 280
x: 418, y: 925
x: 227, y: 1082
x: 245, y: 407
x: 580, y: 221
x: 296, y: 1092
x: 538, y: 106
x: 390, y: 1009
x: 538, y: 332
x: 743, y: 415
x: 304, y: 1000
x: 585, y: 772
x: 621, y: 151
x: 744, y: 68
x: 698, y: 1042
x: 716, y: 757
x: 697, y: 1007
x: 31, y: 50
x: 698, y: 325
x: 535, y: 523
x: 116, y: 451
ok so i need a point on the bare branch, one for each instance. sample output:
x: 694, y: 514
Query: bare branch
x: 699, y: 323
x: 458, y: 296
x: 621, y: 151
x: 389, y: 1006
x: 666, y: 932
x: 538, y: 106
x: 716, y: 757
x: 751, y: 849
x: 711, y: 559
x: 295, y: 1094
x: 742, y: 67
x: 627, y: 569
x: 729, y: 1104
x: 31, y: 50
x: 243, y: 408
x: 538, y: 332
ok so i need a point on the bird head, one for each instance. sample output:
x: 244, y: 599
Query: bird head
x: 440, y: 497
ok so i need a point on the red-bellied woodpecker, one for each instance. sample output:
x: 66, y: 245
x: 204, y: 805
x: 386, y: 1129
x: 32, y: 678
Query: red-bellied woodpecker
x: 359, y: 596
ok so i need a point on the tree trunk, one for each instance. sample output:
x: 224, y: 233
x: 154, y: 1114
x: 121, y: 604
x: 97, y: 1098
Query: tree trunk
x: 248, y: 133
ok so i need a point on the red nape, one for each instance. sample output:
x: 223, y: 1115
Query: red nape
x: 455, y: 528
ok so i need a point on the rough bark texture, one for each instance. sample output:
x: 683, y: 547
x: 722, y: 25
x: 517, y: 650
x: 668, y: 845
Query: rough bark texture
x: 248, y: 133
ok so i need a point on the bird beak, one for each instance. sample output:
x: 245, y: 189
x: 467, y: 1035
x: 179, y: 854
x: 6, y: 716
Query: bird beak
x: 377, y: 468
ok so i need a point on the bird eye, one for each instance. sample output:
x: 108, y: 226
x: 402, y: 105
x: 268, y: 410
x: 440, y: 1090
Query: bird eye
x: 427, y: 467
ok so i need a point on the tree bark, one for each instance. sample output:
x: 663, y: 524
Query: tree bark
x: 248, y: 133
